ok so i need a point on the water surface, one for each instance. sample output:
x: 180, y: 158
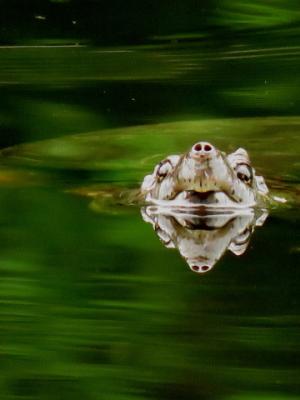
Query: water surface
x: 92, y: 305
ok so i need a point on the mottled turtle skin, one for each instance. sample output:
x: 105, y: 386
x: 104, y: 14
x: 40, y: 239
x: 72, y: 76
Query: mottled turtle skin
x: 205, y: 176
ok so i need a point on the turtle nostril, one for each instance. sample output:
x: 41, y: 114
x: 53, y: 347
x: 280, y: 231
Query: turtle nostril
x: 204, y: 268
x: 207, y: 148
x: 203, y: 147
x: 198, y: 147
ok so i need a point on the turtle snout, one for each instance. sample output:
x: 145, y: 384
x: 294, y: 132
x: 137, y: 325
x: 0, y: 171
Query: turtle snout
x: 203, y: 150
x: 201, y: 268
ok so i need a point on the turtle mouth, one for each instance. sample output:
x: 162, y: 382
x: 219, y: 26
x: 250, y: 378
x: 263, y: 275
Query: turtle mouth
x: 199, y: 197
x: 208, y: 198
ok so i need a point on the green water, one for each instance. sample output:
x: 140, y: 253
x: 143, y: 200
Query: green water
x: 92, y: 305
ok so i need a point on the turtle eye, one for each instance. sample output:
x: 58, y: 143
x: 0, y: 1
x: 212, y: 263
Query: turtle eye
x: 244, y: 173
x: 164, y: 168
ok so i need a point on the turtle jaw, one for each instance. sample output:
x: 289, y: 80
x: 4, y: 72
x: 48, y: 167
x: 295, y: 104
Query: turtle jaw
x: 210, y: 198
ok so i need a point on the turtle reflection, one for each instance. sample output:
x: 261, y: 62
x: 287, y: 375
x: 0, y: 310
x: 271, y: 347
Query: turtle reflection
x: 203, y: 239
